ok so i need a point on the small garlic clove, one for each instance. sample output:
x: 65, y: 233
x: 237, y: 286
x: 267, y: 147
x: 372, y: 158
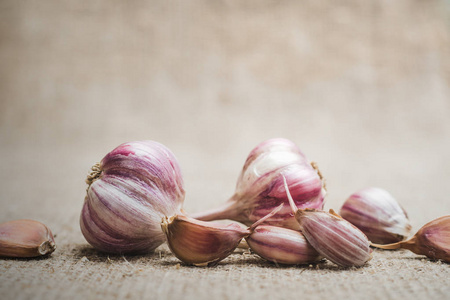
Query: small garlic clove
x: 282, y: 245
x: 432, y: 240
x: 335, y: 238
x: 260, y: 189
x: 201, y: 243
x: 25, y: 238
x: 332, y: 236
x: 376, y: 213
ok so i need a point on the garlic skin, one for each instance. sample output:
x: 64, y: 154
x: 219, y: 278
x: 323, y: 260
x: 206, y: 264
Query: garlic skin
x: 201, y: 243
x: 332, y: 236
x: 376, y: 213
x: 432, y: 240
x: 25, y: 238
x: 335, y: 238
x: 282, y: 245
x: 260, y: 187
x: 130, y: 190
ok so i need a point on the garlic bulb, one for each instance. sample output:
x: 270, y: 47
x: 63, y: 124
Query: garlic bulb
x: 129, y: 191
x: 25, y: 238
x: 260, y: 187
x: 201, y: 243
x: 432, y: 240
x: 376, y: 213
x: 332, y: 236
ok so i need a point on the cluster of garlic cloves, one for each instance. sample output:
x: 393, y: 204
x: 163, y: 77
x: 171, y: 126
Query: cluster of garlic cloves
x: 260, y: 189
x: 280, y: 245
x: 376, y: 213
x: 25, y: 238
x: 129, y: 191
x: 203, y: 243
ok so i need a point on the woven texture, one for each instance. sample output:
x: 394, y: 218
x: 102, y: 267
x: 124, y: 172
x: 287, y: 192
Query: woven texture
x: 362, y: 88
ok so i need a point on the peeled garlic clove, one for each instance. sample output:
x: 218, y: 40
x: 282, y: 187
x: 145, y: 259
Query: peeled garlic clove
x: 376, y: 213
x: 332, y: 236
x: 432, y: 240
x: 201, y: 243
x: 25, y: 238
x: 130, y: 190
x: 282, y: 245
x: 260, y: 188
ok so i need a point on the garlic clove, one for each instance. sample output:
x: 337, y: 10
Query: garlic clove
x: 201, y: 243
x: 278, y: 244
x: 335, y: 238
x: 25, y: 238
x: 332, y: 236
x: 260, y: 189
x: 376, y: 213
x: 282, y: 245
x: 432, y: 240
x: 129, y: 191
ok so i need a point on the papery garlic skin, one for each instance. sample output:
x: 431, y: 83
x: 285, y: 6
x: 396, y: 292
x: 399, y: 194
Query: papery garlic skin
x: 133, y: 187
x: 201, y: 243
x: 282, y: 245
x: 376, y: 213
x: 25, y: 238
x: 335, y: 238
x: 260, y: 187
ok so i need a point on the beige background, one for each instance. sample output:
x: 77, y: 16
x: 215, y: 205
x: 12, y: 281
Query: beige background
x: 361, y: 86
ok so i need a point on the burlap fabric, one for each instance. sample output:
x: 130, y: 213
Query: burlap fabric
x: 361, y: 86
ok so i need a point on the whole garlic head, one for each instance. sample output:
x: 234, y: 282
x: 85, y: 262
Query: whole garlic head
x: 260, y: 187
x: 130, y: 191
x: 376, y: 213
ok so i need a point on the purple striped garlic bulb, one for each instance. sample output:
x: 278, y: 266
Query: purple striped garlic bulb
x: 129, y: 192
x: 376, y: 213
x: 260, y: 187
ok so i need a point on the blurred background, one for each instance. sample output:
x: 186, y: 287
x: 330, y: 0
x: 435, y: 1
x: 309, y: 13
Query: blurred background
x: 361, y: 87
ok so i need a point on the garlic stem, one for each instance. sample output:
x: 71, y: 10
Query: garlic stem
x: 263, y: 219
x: 226, y: 211
x: 288, y: 193
x: 408, y: 244
x: 392, y: 246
